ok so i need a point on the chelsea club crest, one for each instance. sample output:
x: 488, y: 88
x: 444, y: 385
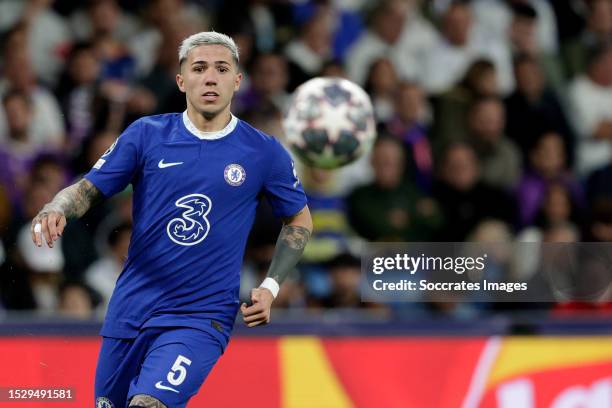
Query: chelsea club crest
x: 234, y: 174
x: 102, y: 402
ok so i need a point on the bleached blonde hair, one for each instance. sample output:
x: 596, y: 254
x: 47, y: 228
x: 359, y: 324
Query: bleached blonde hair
x: 207, y: 38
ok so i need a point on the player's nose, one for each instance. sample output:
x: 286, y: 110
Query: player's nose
x: 210, y: 82
x: 210, y: 78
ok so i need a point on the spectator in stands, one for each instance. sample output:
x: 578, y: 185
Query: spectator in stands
x: 410, y: 125
x: 269, y: 80
x: 523, y: 26
x: 591, y: 100
x: 15, y: 41
x: 75, y: 301
x: 463, y: 198
x: 599, y: 226
x: 102, y: 18
x: 391, y: 208
x: 49, y: 170
x: 103, y: 273
x: 524, y: 40
x: 93, y: 148
x: 495, y: 18
x: 462, y: 42
x: 308, y: 53
x: 597, y: 33
x: 562, y: 232
x: 499, y: 158
x: 294, y: 296
x: 161, y: 79
x: 334, y: 68
x: 345, y: 273
x: 451, y: 108
x: 534, y: 106
x: 381, y: 84
x: 599, y: 184
x: 396, y: 31
x: 20, y: 154
x: 269, y: 119
x: 159, y: 16
x: 77, y: 91
x: 47, y: 125
x: 547, y: 166
x: 18, y: 149
x: 267, y: 25
x: 47, y: 35
x: 117, y: 62
x: 558, y: 207
x: 121, y: 100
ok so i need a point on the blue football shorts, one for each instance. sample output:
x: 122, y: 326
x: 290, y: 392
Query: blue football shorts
x: 168, y: 363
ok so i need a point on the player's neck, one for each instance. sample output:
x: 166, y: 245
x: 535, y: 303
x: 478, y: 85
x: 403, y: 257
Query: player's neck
x: 214, y: 124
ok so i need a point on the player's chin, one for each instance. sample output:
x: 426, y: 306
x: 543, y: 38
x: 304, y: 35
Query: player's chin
x: 211, y: 109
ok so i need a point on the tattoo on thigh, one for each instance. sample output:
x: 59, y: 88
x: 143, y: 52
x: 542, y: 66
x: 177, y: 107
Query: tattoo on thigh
x: 146, y: 401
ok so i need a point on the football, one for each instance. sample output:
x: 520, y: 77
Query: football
x: 330, y: 122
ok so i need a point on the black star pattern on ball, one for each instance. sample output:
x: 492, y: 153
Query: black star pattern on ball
x: 336, y: 95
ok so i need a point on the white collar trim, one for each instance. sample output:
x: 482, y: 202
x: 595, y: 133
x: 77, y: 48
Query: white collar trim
x: 209, y: 135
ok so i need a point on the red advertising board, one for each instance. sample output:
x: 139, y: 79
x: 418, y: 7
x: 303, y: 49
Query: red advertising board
x: 551, y: 372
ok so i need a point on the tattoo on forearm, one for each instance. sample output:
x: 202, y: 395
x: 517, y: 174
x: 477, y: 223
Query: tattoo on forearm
x: 295, y: 237
x: 143, y: 400
x: 74, y: 200
x: 289, y: 248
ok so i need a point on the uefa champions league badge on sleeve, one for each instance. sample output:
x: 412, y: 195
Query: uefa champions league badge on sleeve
x: 234, y: 174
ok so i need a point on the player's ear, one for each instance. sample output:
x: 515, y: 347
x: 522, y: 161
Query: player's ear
x: 237, y: 81
x: 180, y: 82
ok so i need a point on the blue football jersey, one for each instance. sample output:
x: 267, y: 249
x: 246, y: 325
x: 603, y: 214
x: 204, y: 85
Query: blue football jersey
x: 194, y: 204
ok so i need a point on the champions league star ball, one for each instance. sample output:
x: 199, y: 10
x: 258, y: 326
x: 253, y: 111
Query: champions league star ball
x: 330, y: 122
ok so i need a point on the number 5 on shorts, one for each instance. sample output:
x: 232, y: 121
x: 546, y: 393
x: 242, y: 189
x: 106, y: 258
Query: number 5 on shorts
x: 178, y: 372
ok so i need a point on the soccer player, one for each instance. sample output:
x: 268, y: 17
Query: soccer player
x: 197, y: 178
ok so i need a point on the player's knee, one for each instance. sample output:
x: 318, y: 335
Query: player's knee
x: 145, y: 401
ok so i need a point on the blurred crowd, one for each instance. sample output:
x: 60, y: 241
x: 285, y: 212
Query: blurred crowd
x: 494, y: 124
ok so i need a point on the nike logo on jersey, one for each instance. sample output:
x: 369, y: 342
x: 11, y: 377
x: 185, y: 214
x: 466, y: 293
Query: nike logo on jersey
x: 163, y: 165
x: 160, y: 386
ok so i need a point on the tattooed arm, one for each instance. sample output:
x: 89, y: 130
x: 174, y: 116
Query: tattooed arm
x: 145, y: 401
x: 70, y: 203
x: 290, y: 244
x: 289, y: 248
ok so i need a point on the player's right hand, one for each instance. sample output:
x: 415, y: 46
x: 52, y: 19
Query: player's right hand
x: 259, y: 312
x: 52, y: 222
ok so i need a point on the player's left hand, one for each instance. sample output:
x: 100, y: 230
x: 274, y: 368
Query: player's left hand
x: 259, y: 312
